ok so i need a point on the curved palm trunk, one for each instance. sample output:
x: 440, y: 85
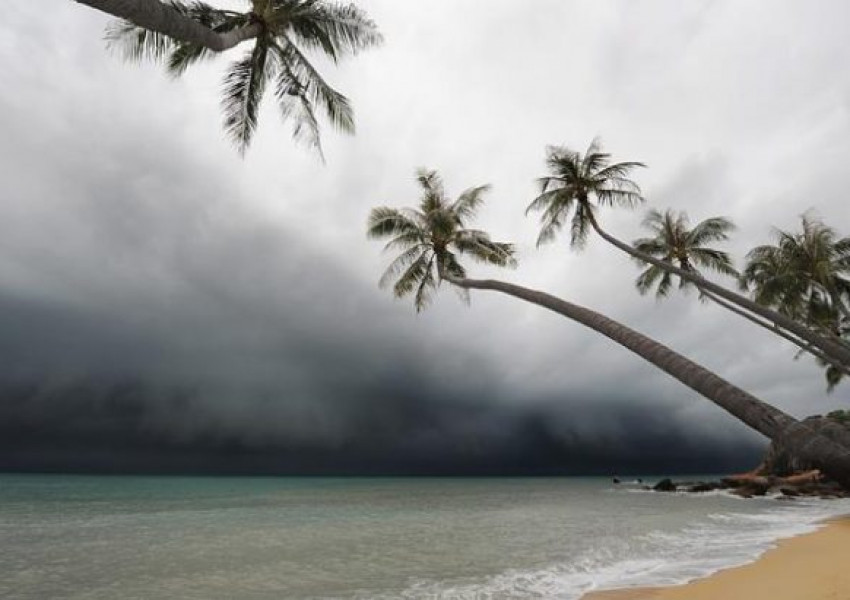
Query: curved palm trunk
x: 830, y: 348
x: 774, y: 329
x: 832, y: 454
x: 159, y: 17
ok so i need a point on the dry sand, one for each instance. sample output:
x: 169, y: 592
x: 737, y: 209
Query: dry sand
x: 814, y: 566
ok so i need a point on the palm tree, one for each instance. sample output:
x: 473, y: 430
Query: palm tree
x: 567, y: 193
x: 803, y: 277
x: 433, y: 237
x: 283, y: 31
x: 674, y: 242
x: 164, y: 19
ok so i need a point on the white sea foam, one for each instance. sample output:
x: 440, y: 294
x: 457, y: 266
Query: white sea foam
x: 718, y: 541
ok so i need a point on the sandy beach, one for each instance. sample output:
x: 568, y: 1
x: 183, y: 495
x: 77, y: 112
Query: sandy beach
x: 811, y: 567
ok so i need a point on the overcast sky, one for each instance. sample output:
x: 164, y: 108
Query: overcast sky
x: 168, y: 305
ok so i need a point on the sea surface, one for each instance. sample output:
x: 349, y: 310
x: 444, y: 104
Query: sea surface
x: 208, y: 538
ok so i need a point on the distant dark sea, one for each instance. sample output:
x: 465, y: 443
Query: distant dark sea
x: 87, y: 537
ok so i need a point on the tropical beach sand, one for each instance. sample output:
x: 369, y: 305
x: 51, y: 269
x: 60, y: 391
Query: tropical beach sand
x: 813, y: 566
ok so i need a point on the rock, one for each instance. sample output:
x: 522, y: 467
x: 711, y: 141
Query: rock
x: 703, y: 486
x: 665, y: 485
x: 743, y: 492
x: 789, y: 492
x: 752, y: 488
x: 813, y: 476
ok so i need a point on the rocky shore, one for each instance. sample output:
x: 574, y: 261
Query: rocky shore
x: 749, y: 485
x: 781, y: 473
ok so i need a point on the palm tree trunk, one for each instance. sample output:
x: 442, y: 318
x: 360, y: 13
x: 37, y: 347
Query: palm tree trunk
x: 832, y: 455
x: 162, y: 18
x: 778, y: 331
x: 832, y: 349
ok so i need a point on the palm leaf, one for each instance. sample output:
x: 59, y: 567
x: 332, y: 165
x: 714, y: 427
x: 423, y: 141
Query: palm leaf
x: 468, y: 202
x: 244, y: 85
x: 426, y: 288
x: 410, y: 278
x: 400, y: 264
x: 337, y: 29
x: 313, y: 86
x: 479, y: 246
x: 384, y: 222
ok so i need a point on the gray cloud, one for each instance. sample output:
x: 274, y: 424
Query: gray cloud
x: 166, y: 302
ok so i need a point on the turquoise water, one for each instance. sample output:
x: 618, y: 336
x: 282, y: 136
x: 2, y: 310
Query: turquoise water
x: 173, y: 537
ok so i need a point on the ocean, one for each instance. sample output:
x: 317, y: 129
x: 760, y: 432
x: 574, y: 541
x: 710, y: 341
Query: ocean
x: 88, y: 537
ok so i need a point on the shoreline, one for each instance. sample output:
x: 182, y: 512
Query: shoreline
x: 810, y: 565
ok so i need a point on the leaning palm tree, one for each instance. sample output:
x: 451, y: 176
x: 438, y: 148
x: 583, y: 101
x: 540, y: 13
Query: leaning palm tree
x: 675, y: 242
x: 805, y: 275
x: 577, y: 184
x: 433, y: 238
x: 283, y: 32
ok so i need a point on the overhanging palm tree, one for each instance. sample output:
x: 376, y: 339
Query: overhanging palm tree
x: 675, y: 242
x: 283, y: 33
x: 575, y: 181
x: 427, y: 238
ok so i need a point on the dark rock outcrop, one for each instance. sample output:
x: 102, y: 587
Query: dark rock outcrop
x: 665, y: 485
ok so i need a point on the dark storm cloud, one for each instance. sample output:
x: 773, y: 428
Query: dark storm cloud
x: 132, y: 427
x: 166, y: 306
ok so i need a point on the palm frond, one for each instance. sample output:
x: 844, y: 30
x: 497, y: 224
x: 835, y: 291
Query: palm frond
x: 647, y: 279
x: 557, y: 199
x: 619, y: 171
x: 479, y: 246
x: 427, y: 286
x: 136, y: 44
x: 551, y: 224
x: 384, y: 222
x: 400, y: 264
x: 613, y: 197
x: 651, y: 246
x: 244, y: 85
x: 431, y: 182
x: 469, y: 201
x: 715, y: 260
x: 411, y: 277
x: 406, y: 240
x: 301, y: 89
x: 580, y: 226
x: 715, y: 229
x: 337, y: 29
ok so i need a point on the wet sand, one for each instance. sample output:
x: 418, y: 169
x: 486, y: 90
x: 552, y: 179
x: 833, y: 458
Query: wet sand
x: 814, y: 566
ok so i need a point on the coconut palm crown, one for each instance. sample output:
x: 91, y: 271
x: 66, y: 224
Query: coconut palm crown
x: 432, y: 238
x: 673, y: 241
x: 804, y: 275
x: 288, y: 30
x: 574, y: 180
